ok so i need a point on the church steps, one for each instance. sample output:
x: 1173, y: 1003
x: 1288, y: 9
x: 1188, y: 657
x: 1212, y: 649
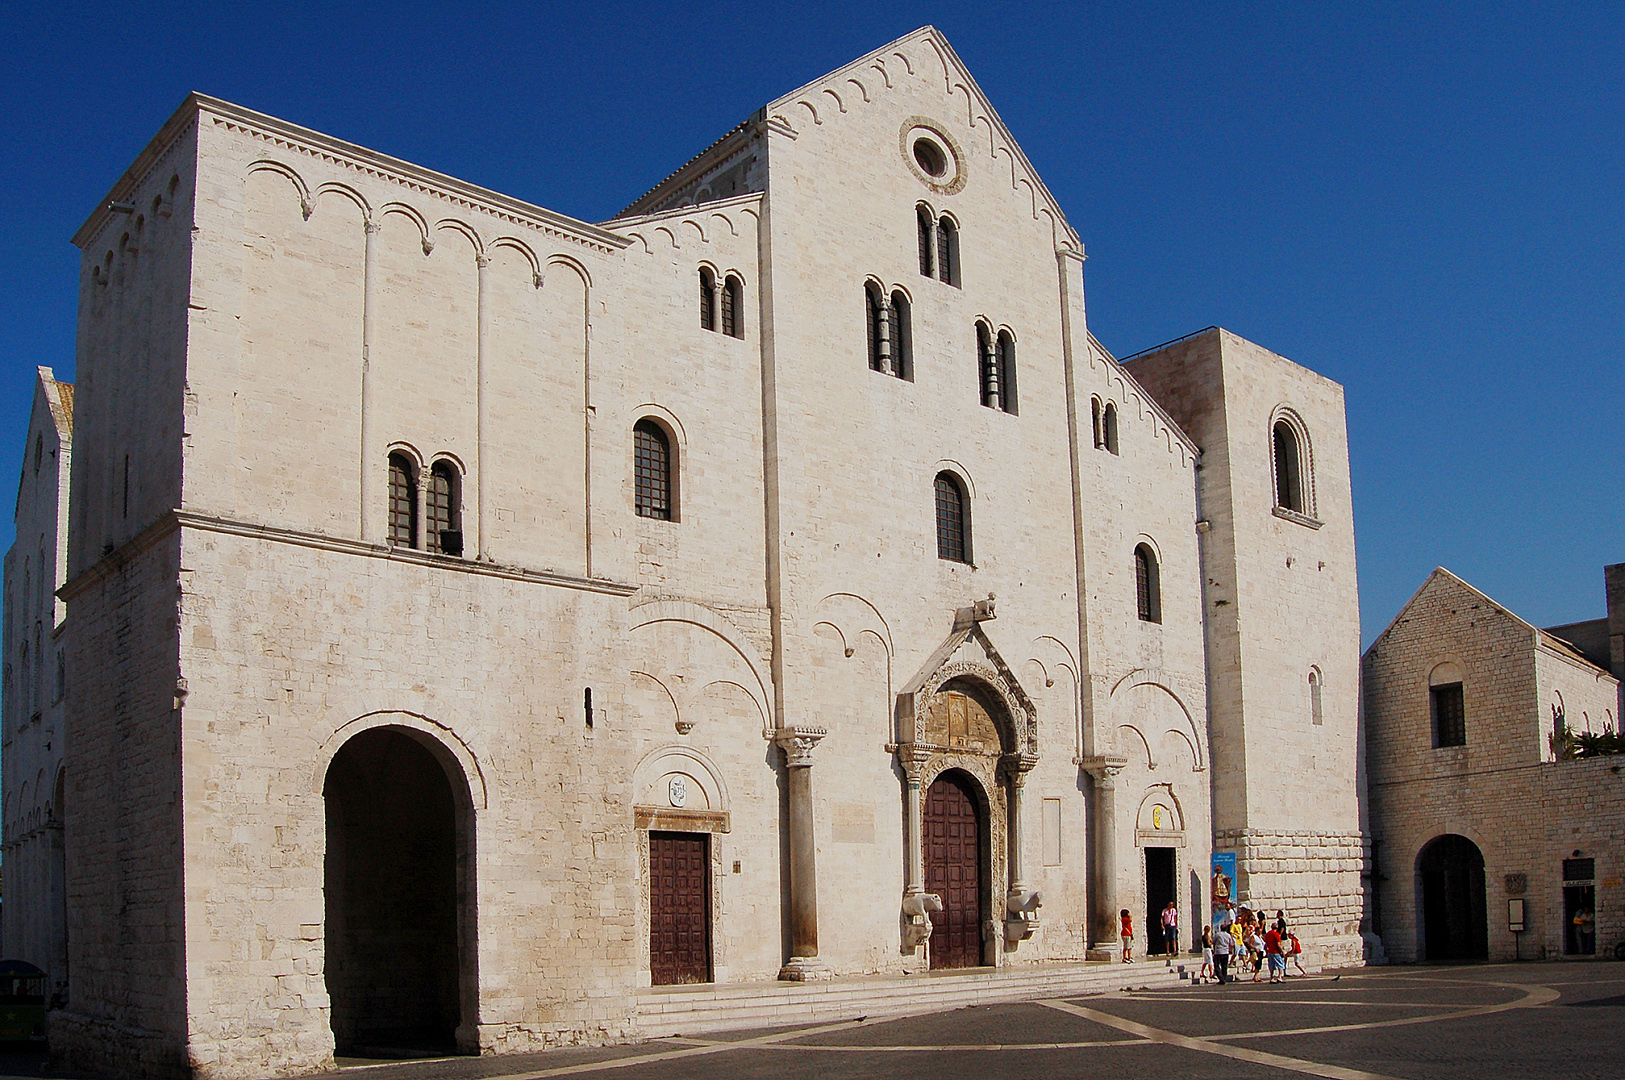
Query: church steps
x: 664, y: 1011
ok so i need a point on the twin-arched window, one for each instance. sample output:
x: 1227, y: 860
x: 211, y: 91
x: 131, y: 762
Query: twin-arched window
x: 441, y: 498
x: 1147, y: 584
x: 953, y: 519
x: 890, y: 332
x: 939, y: 246
x: 722, y: 307
x: 996, y: 367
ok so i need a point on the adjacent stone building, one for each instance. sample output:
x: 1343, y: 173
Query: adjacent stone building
x: 1486, y: 842
x: 477, y: 614
x: 33, y: 925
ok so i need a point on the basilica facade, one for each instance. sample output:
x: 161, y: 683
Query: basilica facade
x: 474, y: 614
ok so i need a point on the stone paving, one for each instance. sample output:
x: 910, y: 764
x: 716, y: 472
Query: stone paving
x: 1526, y: 1021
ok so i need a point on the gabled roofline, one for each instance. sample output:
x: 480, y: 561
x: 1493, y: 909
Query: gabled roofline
x: 392, y: 168
x: 1145, y: 395
x: 1539, y: 637
x: 744, y: 199
x: 725, y: 144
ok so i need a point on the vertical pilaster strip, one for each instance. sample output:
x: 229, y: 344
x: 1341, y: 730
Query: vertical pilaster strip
x: 481, y: 348
x: 369, y: 307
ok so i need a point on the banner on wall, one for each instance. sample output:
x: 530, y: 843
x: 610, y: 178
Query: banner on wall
x: 1223, y: 887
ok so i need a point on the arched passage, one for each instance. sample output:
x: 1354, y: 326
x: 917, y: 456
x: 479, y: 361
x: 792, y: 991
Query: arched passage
x: 1450, y: 876
x: 955, y: 828
x: 399, y: 928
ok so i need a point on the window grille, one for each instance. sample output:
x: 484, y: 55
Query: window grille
x: 733, y: 307
x: 444, y: 516
x: 947, y: 252
x: 651, y: 471
x: 403, y: 501
x: 953, y: 525
x: 1449, y: 715
x: 924, y: 222
x: 708, y: 299
x: 1147, y: 587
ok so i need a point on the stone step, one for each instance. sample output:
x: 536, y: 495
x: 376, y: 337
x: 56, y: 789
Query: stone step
x: 695, y: 1010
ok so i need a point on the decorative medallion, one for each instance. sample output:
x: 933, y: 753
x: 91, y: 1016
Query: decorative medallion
x: 677, y: 791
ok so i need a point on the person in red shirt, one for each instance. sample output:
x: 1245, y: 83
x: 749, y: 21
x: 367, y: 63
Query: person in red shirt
x: 1125, y: 931
x: 1273, y: 955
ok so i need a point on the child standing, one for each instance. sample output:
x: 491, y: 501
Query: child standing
x: 1125, y: 931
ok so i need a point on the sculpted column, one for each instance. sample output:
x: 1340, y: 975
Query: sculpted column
x: 1103, y: 850
x: 803, y: 965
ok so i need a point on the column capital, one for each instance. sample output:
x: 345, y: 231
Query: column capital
x: 1017, y: 766
x: 798, y: 743
x: 1103, y: 769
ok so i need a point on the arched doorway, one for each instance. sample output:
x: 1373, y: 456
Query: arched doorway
x: 955, y: 833
x: 1451, y: 873
x: 396, y: 837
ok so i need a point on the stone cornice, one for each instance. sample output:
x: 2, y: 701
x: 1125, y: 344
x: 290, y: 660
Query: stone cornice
x: 358, y: 158
x: 186, y: 519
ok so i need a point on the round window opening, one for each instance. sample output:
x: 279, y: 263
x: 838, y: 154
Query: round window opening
x: 930, y: 157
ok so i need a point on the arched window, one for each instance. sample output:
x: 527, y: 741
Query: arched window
x: 987, y: 366
x: 923, y: 221
x: 1288, y: 469
x: 953, y: 519
x: 1007, y: 371
x: 879, y: 312
x: 1316, y: 716
x: 902, y: 336
x: 708, y: 299
x: 948, y: 251
x: 445, y: 518
x: 1448, y: 705
x: 1147, y: 584
x: 403, y: 500
x: 651, y: 471
x: 733, y: 307
x: 1094, y: 414
x: 1108, y: 427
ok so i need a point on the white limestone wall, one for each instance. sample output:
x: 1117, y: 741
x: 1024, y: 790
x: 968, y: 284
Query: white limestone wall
x: 33, y: 694
x: 1281, y: 602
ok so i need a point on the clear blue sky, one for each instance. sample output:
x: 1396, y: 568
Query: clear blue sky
x: 1424, y: 202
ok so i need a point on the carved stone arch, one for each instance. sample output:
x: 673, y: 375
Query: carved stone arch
x: 685, y: 611
x: 644, y: 240
x: 687, y: 761
x: 570, y: 264
x: 840, y: 106
x: 1009, y: 714
x: 513, y: 243
x: 1187, y: 728
x: 444, y: 743
x: 1284, y: 413
x: 863, y: 91
x: 1145, y: 817
x: 728, y: 221
x: 699, y: 230
x: 665, y: 692
x: 671, y: 237
x: 399, y: 447
x: 1150, y: 756
x: 345, y: 191
x: 960, y: 472
x: 461, y: 228
x: 850, y: 615
x: 306, y: 203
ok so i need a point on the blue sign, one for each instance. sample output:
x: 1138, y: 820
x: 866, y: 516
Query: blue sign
x: 1222, y: 887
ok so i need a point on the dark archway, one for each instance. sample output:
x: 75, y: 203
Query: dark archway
x: 956, y: 837
x: 396, y: 836
x: 1450, y: 870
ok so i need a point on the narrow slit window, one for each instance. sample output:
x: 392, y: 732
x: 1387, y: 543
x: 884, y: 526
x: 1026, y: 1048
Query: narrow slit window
x: 1449, y: 715
x: 1006, y: 360
x: 708, y: 299
x: 733, y: 307
x: 948, y: 252
x: 923, y: 217
x: 403, y: 501
x: 953, y: 522
x: 1147, y: 586
x: 1316, y: 715
x: 1108, y: 428
x: 651, y: 471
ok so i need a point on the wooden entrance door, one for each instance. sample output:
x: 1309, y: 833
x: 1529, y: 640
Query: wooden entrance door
x: 953, y: 870
x: 679, y: 908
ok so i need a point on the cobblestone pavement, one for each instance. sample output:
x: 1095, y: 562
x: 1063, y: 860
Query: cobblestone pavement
x: 1483, y: 1022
